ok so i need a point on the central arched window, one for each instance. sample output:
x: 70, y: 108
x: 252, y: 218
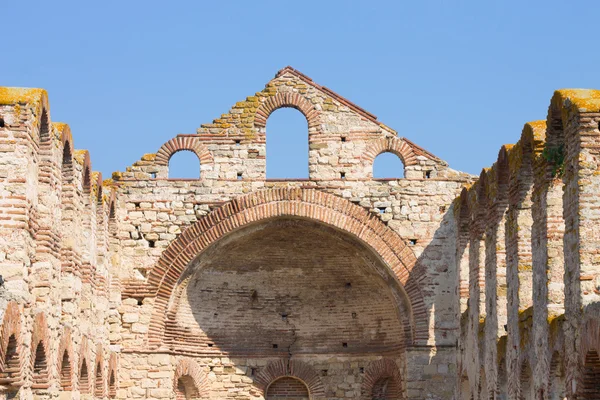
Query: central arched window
x: 184, y: 164
x: 287, y: 388
x: 388, y: 165
x: 287, y: 144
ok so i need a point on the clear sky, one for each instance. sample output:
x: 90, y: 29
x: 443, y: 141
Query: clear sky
x: 459, y: 78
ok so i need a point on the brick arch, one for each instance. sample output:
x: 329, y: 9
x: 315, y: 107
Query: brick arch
x: 11, y: 363
x: 393, y: 145
x: 112, y: 376
x: 180, y: 143
x: 189, y: 368
x: 291, y: 369
x: 66, y: 346
x: 291, y: 100
x: 84, y: 357
x: 99, y: 377
x: 83, y: 157
x: 378, y: 370
x: 310, y: 204
x: 40, y: 356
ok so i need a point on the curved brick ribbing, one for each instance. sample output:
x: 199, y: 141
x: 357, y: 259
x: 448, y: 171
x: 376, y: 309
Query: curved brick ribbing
x: 11, y: 371
x: 40, y: 335
x: 377, y: 370
x: 180, y: 143
x: 293, y: 100
x: 66, y: 345
x: 304, y: 203
x: 66, y: 137
x: 293, y: 369
x: 393, y: 145
x: 188, y: 367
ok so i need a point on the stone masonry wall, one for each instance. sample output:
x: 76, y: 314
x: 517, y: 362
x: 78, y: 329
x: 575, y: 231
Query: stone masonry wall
x: 233, y: 286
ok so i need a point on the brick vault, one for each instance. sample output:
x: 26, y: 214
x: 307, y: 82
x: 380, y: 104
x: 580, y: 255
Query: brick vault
x: 438, y: 285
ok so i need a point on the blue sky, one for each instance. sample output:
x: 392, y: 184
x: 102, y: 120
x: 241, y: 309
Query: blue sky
x: 459, y: 78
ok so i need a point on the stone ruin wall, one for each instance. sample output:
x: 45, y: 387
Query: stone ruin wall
x: 92, y: 269
x: 527, y: 261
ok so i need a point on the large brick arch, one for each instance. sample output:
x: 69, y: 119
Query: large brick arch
x: 180, y: 143
x: 292, y: 100
x: 377, y: 370
x: 310, y: 204
x: 293, y: 369
x: 189, y: 368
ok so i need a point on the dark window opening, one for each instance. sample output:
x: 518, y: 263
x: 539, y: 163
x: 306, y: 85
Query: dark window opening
x: 343, y: 139
x: 1, y: 122
x: 238, y: 142
x: 239, y: 176
x: 275, y: 345
x: 344, y: 345
x: 413, y: 242
x: 427, y: 174
x: 342, y: 175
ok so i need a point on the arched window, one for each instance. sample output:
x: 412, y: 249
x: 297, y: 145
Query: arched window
x: 287, y: 144
x: 386, y: 389
x: 99, y: 384
x: 591, y: 376
x: 557, y: 389
x: 526, y: 382
x: 112, y: 385
x: 65, y: 372
x: 388, y: 165
x: 184, y: 164
x: 40, y: 365
x: 287, y: 388
x: 84, y: 379
x: 502, y: 381
x: 11, y: 365
x: 186, y: 389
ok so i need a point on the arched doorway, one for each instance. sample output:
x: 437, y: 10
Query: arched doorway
x: 287, y: 388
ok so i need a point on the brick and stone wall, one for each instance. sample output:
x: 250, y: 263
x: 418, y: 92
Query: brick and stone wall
x: 439, y: 285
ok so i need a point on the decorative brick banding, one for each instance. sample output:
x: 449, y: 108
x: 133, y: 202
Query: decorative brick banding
x: 180, y: 143
x: 374, y: 376
x: 193, y: 377
x: 10, y: 347
x: 303, y: 203
x: 292, y: 100
x: 293, y: 369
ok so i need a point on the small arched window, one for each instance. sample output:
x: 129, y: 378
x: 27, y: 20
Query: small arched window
x: 11, y: 360
x: 591, y: 376
x: 184, y: 164
x: 526, y: 383
x: 112, y: 385
x: 557, y: 389
x: 287, y: 388
x: 388, y: 165
x: 287, y: 144
x: 186, y: 389
x: 84, y: 379
x: 386, y: 389
x: 40, y: 364
x: 99, y: 384
x: 65, y: 372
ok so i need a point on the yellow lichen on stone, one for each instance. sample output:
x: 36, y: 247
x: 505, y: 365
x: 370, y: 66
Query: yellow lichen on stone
x: 584, y: 100
x: 149, y: 157
x: 13, y: 95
